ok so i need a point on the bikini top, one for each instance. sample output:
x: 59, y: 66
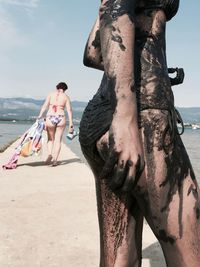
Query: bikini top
x: 55, y: 107
x: 170, y: 7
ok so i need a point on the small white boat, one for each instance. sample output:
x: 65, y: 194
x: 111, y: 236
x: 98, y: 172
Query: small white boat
x: 195, y: 126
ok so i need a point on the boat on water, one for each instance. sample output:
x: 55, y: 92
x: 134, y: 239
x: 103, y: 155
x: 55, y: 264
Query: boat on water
x: 195, y: 126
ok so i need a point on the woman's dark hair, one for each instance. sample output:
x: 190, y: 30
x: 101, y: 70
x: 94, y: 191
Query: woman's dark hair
x: 62, y: 85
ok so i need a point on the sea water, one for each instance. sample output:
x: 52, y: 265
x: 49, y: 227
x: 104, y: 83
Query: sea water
x: 191, y: 138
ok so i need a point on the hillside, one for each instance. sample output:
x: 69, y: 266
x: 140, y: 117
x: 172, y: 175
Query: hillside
x: 190, y: 115
x: 28, y: 109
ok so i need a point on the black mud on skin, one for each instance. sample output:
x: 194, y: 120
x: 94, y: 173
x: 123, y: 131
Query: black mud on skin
x: 178, y: 168
x: 170, y: 7
x: 117, y: 38
x: 166, y: 238
x: 114, y: 218
x: 117, y: 179
x: 197, y: 210
x: 149, y: 59
x: 96, y: 42
x: 113, y: 9
x: 193, y: 189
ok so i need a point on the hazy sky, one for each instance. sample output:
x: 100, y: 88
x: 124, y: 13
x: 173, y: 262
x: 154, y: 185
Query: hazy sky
x: 42, y: 43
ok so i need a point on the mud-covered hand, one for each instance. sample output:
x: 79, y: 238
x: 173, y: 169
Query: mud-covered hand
x: 125, y: 162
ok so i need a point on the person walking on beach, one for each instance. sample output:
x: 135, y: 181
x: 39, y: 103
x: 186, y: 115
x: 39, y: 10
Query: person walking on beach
x: 56, y: 102
x: 129, y: 136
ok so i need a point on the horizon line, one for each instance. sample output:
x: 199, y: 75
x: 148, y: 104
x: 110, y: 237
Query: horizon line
x: 86, y: 101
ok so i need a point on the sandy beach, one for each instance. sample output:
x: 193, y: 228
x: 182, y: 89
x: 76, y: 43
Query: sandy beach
x: 49, y: 218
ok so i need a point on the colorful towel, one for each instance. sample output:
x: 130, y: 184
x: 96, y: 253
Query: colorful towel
x: 30, y: 143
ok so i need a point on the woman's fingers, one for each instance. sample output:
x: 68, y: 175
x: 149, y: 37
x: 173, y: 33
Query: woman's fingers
x: 119, y: 175
x: 110, y: 163
x: 134, y: 174
x: 124, y: 175
x: 139, y: 170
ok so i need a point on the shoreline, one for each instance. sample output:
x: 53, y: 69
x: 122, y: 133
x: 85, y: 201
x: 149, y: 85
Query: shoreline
x: 28, y: 121
x: 74, y: 146
x: 12, y: 131
x: 6, y: 146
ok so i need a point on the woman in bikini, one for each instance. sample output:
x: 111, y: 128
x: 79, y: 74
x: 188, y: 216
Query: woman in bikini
x: 56, y: 102
x: 129, y: 136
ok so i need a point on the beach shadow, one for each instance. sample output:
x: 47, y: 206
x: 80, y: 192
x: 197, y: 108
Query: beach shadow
x: 42, y: 163
x: 155, y: 255
x: 68, y: 161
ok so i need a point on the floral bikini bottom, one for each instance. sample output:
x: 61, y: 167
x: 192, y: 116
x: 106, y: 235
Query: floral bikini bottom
x: 56, y: 119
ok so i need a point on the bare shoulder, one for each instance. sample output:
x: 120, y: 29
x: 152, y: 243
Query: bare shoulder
x: 67, y: 98
x: 50, y: 95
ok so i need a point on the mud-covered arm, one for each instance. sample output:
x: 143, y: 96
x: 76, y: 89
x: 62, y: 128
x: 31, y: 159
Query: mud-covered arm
x: 117, y: 36
x: 92, y: 55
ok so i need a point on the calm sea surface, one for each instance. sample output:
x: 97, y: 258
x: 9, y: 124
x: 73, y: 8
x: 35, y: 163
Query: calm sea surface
x: 191, y: 139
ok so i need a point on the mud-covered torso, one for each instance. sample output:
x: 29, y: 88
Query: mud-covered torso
x: 170, y: 7
x: 151, y: 75
x: 116, y: 8
x: 152, y: 82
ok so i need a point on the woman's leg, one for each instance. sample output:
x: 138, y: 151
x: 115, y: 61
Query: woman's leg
x: 50, y: 139
x: 120, y: 218
x: 169, y: 195
x: 58, y: 139
x: 121, y: 222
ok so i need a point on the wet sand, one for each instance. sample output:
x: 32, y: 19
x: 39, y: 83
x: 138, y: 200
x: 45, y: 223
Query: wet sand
x: 49, y: 217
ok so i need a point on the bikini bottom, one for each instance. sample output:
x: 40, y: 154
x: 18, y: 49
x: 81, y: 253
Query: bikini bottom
x: 97, y: 118
x: 56, y: 119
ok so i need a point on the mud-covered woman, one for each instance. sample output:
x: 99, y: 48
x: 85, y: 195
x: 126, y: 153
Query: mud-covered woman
x: 130, y: 138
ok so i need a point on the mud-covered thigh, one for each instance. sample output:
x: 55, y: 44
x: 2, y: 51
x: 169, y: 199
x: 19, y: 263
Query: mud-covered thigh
x: 167, y: 191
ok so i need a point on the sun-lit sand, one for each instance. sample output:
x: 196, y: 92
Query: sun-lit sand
x: 49, y: 218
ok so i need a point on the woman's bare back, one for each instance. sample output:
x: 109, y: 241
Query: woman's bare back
x: 57, y: 103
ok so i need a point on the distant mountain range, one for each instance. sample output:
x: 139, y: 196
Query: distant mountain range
x: 28, y: 109
x: 190, y: 115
